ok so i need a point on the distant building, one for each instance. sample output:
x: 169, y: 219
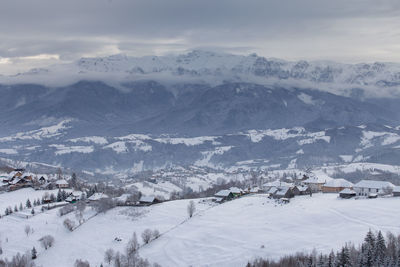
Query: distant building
x: 304, y: 190
x: 62, y: 184
x: 223, y: 195
x: 148, y: 200
x: 336, y: 185
x: 396, y: 191
x: 97, y: 196
x: 283, y: 192
x: 370, y: 187
x: 314, y: 183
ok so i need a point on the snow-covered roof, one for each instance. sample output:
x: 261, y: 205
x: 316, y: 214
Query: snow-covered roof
x: 97, y: 196
x: 122, y: 198
x: 148, y: 199
x: 373, y: 184
x: 272, y: 190
x: 223, y: 193
x: 282, y: 191
x: 255, y: 189
x: 302, y: 188
x: 338, y: 183
x: 347, y: 191
x: 235, y: 190
x: 61, y: 182
x: 396, y: 189
x: 76, y: 193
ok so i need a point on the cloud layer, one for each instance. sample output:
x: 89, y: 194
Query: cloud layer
x: 36, y: 33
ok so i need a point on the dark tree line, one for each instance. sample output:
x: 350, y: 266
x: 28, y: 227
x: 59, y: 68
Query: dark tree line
x: 375, y: 251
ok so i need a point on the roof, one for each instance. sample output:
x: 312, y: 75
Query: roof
x: 97, y: 196
x: 396, y: 189
x: 223, y: 193
x: 272, y: 190
x: 373, y: 184
x: 347, y: 191
x: 255, y: 189
x: 302, y: 188
x: 338, y: 183
x: 123, y: 197
x: 282, y: 191
x: 148, y: 199
x: 235, y: 190
x: 61, y: 182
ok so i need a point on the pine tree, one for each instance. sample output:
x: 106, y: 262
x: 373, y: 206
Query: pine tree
x: 368, y: 251
x: 52, y: 197
x: 63, y: 195
x: 6, y: 212
x: 28, y: 203
x: 20, y: 206
x: 34, y: 202
x: 321, y: 261
x: 15, y: 208
x: 331, y: 260
x: 59, y: 196
x: 344, y: 257
x: 33, y: 211
x: 10, y: 210
x: 73, y: 181
x: 380, y: 249
x: 34, y: 253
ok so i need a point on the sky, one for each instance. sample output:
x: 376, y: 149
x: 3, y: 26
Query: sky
x: 44, y: 32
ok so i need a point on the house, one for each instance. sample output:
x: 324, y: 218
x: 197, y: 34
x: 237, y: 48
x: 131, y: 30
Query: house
x: 255, y: 189
x: 43, y: 179
x: 295, y: 190
x: 237, y: 192
x: 272, y: 191
x: 74, y: 196
x: 396, y: 191
x: 61, y: 184
x: 283, y: 192
x: 97, y: 196
x: 149, y: 200
x: 336, y: 185
x: 304, y: 190
x: 223, y: 195
x: 314, y: 183
x: 347, y: 193
x: 369, y: 187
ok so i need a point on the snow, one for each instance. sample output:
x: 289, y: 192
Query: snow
x: 90, y: 139
x: 373, y: 184
x: 119, y: 147
x: 307, y: 99
x: 338, y: 183
x: 217, y: 235
x: 346, y: 158
x: 192, y: 141
x: 9, y: 151
x: 63, y: 149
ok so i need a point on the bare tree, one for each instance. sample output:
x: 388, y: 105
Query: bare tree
x: 191, y: 208
x: 47, y: 241
x: 146, y: 236
x: 104, y: 204
x: 133, y: 245
x: 27, y: 230
x: 109, y: 255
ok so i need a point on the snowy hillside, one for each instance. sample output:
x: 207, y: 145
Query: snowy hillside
x: 217, y: 235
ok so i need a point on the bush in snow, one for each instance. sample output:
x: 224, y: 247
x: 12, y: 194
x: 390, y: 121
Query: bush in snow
x: 28, y: 203
x: 191, y: 208
x: 34, y: 253
x: 109, y: 255
x: 146, y: 236
x: 69, y: 224
x: 46, y: 241
x: 81, y: 263
x: 156, y: 234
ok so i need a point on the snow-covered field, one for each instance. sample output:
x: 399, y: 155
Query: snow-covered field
x: 229, y: 234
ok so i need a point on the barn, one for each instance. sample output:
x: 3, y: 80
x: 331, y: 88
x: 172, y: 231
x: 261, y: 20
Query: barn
x: 336, y: 185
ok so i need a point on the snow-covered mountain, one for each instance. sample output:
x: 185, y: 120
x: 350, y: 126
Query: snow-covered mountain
x: 216, y: 68
x: 122, y: 113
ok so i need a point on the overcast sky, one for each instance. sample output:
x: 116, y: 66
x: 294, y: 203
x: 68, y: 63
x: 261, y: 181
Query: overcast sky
x: 39, y: 32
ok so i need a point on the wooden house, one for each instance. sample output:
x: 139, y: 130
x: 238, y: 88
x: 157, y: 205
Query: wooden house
x: 283, y: 192
x: 60, y: 184
x: 304, y: 190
